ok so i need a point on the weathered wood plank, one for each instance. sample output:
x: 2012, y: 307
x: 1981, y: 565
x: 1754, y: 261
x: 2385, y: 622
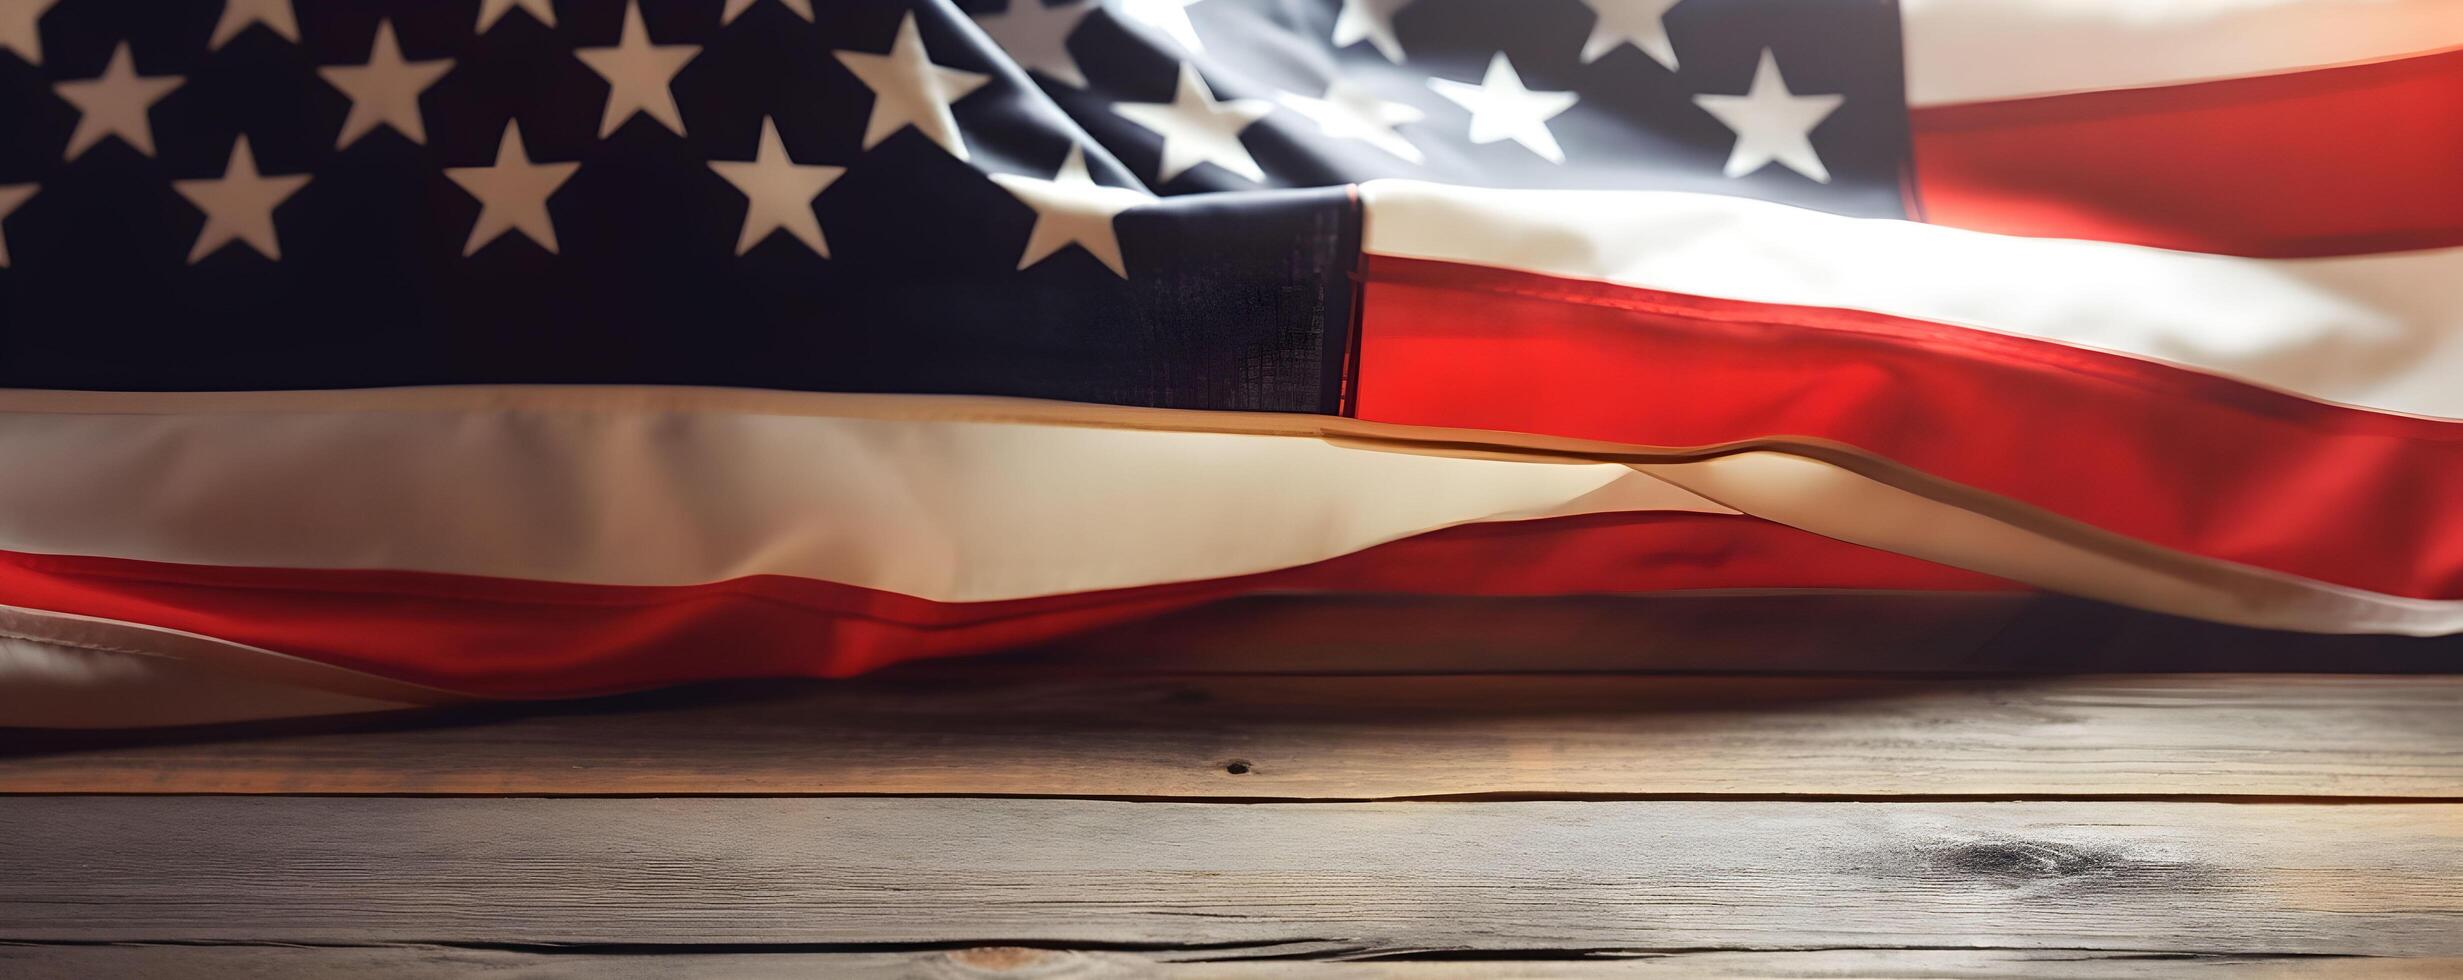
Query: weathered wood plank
x: 1329, y: 737
x: 2377, y: 879
x: 421, y: 963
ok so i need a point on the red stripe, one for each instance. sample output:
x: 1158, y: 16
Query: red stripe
x: 2182, y: 459
x: 2334, y: 161
x: 516, y: 638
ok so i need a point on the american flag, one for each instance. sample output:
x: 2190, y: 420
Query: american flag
x: 387, y: 351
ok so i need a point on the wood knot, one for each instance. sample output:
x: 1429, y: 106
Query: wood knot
x: 2078, y: 869
x: 1238, y: 767
x: 2020, y: 861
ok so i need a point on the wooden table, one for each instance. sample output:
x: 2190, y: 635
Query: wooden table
x: 1861, y: 786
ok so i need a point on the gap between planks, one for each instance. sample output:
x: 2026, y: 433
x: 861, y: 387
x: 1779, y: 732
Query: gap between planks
x: 1025, y: 963
x: 1280, y: 737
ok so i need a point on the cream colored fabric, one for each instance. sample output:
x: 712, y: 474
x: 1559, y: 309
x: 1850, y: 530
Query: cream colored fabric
x: 47, y: 685
x: 413, y: 456
x: 956, y: 511
x: 1989, y: 50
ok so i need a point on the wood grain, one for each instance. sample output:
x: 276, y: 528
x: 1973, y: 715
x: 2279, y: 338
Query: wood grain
x: 1339, y: 737
x: 2376, y: 879
x: 1017, y: 963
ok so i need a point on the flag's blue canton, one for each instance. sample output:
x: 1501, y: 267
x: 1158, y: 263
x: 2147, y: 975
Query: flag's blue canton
x: 837, y: 195
x: 1632, y: 120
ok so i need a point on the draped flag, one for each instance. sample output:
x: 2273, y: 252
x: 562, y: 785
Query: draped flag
x: 357, y: 353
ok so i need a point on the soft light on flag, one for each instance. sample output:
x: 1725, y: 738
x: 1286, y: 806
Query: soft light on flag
x: 407, y: 351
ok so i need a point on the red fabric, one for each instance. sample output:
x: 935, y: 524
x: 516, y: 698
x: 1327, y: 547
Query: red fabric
x: 2334, y: 161
x: 2182, y: 459
x: 525, y: 639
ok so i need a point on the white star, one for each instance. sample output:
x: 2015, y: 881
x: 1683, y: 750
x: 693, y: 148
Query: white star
x: 909, y: 90
x: 385, y: 91
x: 1037, y: 37
x: 1371, y: 21
x: 10, y: 198
x: 1350, y: 112
x: 19, y: 31
x: 491, y: 11
x: 1071, y: 209
x: 115, y: 103
x: 1502, y: 109
x: 638, y: 74
x: 1772, y: 123
x: 1630, y: 21
x: 779, y: 193
x: 239, y: 205
x: 1196, y: 129
x: 1167, y: 17
x: 736, y: 8
x: 512, y: 193
x: 276, y: 15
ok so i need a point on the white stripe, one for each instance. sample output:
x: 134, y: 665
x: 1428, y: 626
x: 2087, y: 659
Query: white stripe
x: 1986, y: 50
x: 948, y: 510
x: 2382, y: 332
x: 49, y: 685
x: 44, y: 653
x: 667, y: 485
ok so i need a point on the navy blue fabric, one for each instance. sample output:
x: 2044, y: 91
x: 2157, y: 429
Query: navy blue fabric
x: 1233, y: 300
